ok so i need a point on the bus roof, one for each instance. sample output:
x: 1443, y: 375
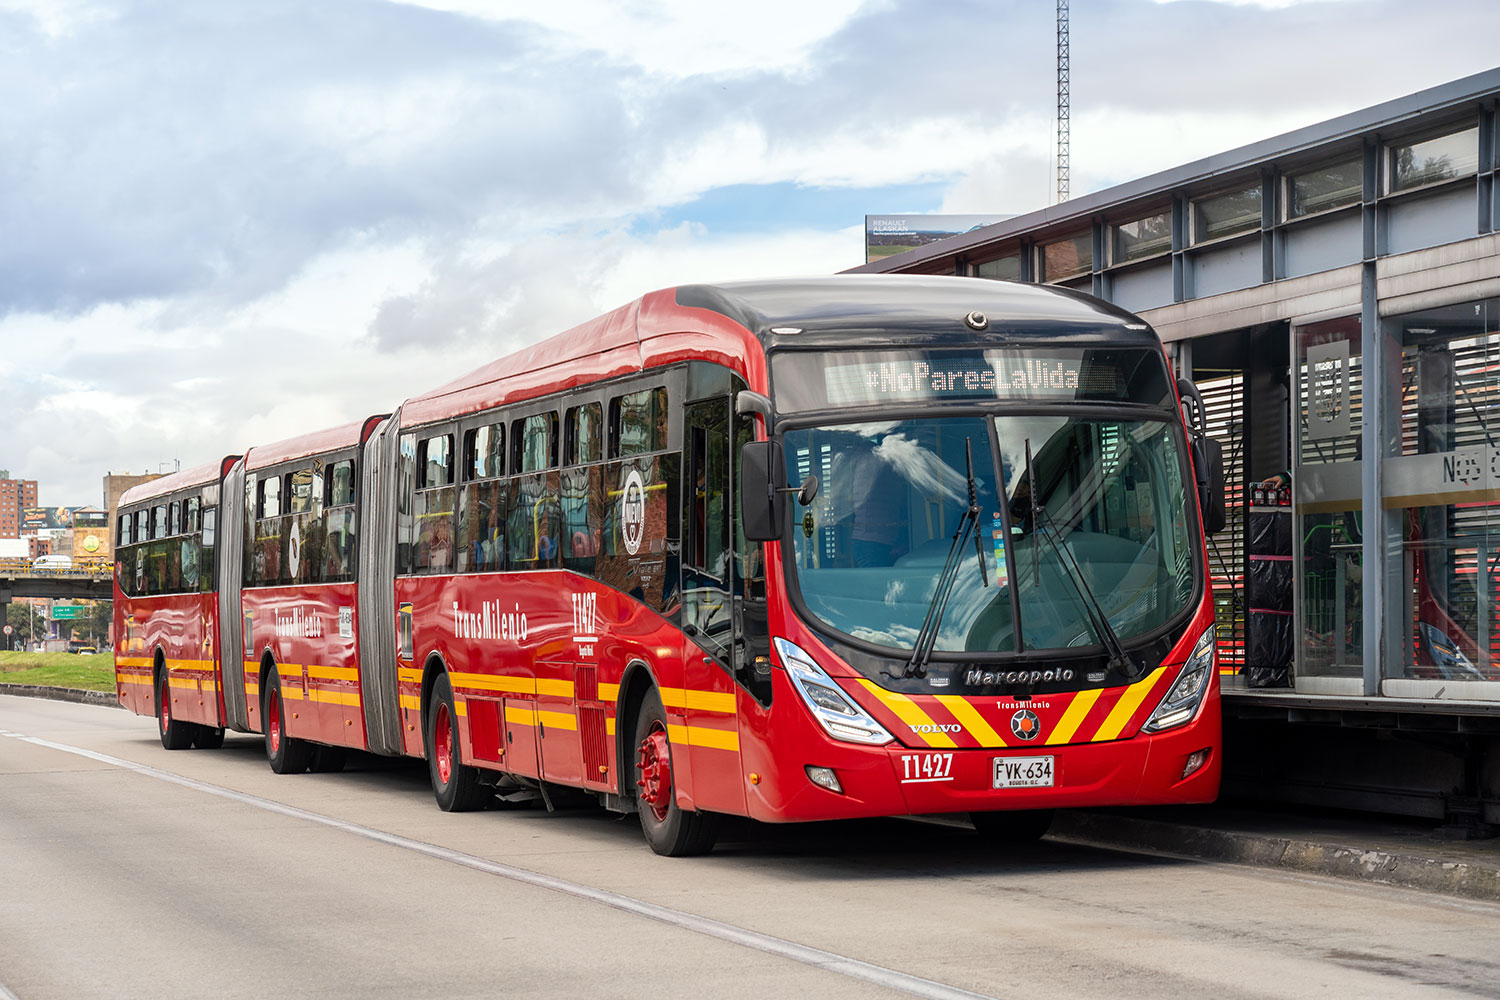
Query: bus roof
x: 198, y: 475
x: 847, y: 307
x: 734, y: 322
x: 303, y: 445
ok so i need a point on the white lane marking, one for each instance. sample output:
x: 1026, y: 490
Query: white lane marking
x: 816, y: 957
x: 6, y: 994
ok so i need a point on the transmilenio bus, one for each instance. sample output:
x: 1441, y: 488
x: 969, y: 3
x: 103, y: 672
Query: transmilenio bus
x: 794, y: 550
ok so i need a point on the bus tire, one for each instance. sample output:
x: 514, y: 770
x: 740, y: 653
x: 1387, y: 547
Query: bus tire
x: 208, y: 738
x: 327, y: 760
x: 285, y: 754
x: 670, y: 830
x: 1014, y: 826
x: 455, y: 784
x: 175, y: 735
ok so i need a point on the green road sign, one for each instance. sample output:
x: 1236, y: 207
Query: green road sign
x: 64, y: 612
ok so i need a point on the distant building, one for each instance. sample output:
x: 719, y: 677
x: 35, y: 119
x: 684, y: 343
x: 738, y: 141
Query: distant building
x: 14, y: 495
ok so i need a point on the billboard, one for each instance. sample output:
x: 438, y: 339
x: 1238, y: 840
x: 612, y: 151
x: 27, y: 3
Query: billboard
x: 892, y: 234
x: 46, y: 518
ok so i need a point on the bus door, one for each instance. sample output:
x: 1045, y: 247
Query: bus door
x: 710, y: 695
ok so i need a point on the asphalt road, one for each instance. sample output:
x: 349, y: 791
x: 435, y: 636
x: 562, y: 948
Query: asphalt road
x: 136, y: 872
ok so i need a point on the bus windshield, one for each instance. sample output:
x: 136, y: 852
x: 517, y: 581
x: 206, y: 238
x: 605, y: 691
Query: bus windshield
x: 871, y: 547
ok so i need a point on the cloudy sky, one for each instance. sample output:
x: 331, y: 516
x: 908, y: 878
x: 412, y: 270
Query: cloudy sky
x: 224, y: 222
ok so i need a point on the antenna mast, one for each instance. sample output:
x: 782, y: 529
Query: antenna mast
x: 1062, y: 101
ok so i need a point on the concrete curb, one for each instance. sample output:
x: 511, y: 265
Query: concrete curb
x: 1410, y: 871
x: 107, y: 698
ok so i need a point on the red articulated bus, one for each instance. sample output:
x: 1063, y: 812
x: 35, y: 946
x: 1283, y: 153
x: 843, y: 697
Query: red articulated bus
x: 793, y: 550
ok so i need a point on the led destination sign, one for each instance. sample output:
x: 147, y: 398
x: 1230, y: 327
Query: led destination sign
x: 872, y: 378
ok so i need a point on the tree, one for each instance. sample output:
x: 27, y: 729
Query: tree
x: 26, y: 620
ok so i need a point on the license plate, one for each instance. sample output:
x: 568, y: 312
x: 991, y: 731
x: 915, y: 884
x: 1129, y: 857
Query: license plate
x: 1024, y: 772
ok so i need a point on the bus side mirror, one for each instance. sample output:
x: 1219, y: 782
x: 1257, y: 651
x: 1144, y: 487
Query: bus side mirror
x: 1208, y: 469
x: 762, y: 479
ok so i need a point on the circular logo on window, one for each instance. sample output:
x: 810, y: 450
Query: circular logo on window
x: 1025, y: 724
x: 633, y: 511
x: 294, y: 550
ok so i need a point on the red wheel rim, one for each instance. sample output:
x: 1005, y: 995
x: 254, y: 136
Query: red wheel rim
x: 442, y: 743
x: 655, y: 765
x: 166, y: 712
x: 273, y: 720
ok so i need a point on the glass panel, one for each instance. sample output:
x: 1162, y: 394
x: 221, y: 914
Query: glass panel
x: 582, y: 513
x: 338, y: 553
x: 1068, y: 258
x: 270, y: 497
x: 532, y: 522
x: 534, y: 442
x: 1001, y: 268
x: 434, y: 549
x: 159, y: 521
x: 585, y: 442
x: 484, y: 449
x: 1325, y: 189
x: 1433, y: 160
x: 1143, y: 238
x: 481, y: 530
x: 299, y: 491
x: 869, y: 551
x: 1112, y: 492
x: 1445, y: 483
x: 436, y: 461
x: 641, y: 421
x: 1329, y: 520
x: 1226, y: 214
x: 341, y: 485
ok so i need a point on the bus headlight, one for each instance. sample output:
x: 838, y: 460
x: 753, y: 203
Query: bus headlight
x: 1182, y: 701
x: 840, y: 718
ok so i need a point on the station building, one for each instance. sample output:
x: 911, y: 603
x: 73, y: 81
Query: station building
x: 1334, y: 292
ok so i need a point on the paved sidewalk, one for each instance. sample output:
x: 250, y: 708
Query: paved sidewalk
x: 1392, y: 851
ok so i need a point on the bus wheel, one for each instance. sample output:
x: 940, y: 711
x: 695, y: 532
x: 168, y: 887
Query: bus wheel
x: 327, y: 760
x: 208, y: 738
x: 285, y: 754
x: 454, y: 784
x: 175, y: 735
x: 669, y: 829
x: 1016, y: 826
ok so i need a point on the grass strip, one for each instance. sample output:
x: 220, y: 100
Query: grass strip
x: 68, y: 670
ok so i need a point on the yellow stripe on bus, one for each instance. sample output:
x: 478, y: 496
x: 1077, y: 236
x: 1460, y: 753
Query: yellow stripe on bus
x: 491, y: 682
x: 965, y: 713
x: 1074, y: 716
x: 410, y: 675
x: 333, y: 673
x: 520, y: 715
x: 609, y: 692
x: 910, y: 713
x: 554, y: 688
x: 411, y: 701
x: 334, y: 697
x: 557, y: 720
x: 700, y: 701
x: 132, y: 661
x: 699, y: 736
x: 1126, y: 706
x: 124, y: 678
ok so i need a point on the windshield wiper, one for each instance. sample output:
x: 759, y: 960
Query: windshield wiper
x: 969, y: 522
x: 1098, y: 620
